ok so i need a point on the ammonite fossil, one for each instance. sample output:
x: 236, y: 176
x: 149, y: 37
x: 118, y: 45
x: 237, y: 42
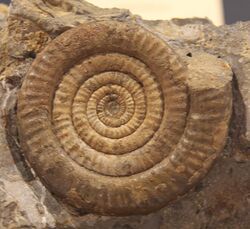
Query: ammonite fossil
x: 113, y: 122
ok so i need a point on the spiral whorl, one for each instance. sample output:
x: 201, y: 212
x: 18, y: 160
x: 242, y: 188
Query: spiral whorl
x: 105, y: 121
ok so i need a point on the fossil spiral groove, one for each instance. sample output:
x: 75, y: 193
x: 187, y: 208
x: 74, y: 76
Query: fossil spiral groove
x: 107, y: 123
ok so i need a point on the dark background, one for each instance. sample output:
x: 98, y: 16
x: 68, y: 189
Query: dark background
x: 5, y: 1
x: 234, y: 10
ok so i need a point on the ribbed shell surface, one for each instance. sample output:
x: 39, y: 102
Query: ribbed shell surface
x: 106, y: 121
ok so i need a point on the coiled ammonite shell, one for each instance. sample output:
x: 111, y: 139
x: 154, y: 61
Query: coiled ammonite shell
x: 109, y: 123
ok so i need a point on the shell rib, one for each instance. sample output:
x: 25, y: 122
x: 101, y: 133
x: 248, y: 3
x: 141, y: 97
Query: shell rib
x: 109, y: 122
